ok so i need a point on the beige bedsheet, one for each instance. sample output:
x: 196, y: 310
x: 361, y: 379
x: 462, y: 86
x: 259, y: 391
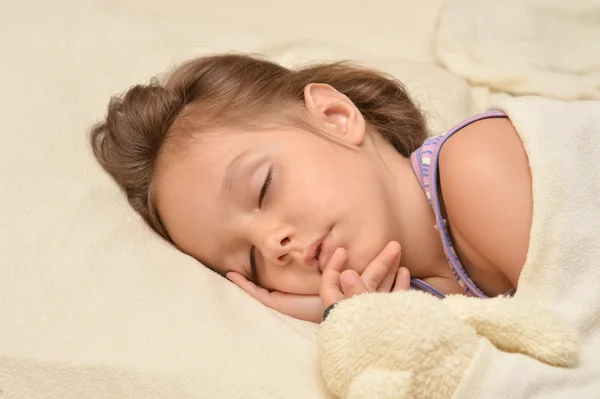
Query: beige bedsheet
x: 92, y: 304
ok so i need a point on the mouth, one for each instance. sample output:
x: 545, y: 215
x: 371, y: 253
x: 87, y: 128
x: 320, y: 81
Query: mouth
x: 319, y: 248
x: 318, y: 253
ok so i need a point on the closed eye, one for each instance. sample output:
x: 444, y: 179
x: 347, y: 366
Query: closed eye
x: 261, y: 197
x: 265, y: 187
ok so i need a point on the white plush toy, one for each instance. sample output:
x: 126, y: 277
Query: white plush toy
x: 412, y: 345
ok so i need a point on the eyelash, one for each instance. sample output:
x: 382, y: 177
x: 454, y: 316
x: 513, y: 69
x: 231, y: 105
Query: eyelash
x: 265, y: 187
x: 261, y: 197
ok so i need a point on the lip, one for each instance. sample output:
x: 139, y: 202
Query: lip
x: 311, y: 252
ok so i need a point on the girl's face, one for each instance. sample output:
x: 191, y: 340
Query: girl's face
x: 273, y: 205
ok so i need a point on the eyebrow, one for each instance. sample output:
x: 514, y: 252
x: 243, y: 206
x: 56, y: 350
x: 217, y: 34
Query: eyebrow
x: 233, y: 169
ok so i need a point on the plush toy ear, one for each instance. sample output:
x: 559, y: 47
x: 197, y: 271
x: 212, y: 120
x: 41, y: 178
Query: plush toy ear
x: 519, y: 326
x: 381, y: 384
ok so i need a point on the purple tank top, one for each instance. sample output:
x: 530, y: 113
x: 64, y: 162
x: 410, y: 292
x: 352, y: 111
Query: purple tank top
x: 425, y: 164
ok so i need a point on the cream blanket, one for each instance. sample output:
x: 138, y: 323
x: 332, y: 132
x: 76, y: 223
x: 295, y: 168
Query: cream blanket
x: 562, y: 271
x: 541, y: 47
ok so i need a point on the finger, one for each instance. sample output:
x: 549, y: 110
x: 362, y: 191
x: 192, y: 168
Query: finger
x: 256, y: 292
x: 304, y: 307
x: 388, y: 282
x: 330, y: 290
x: 402, y: 280
x: 352, y: 284
x: 379, y: 267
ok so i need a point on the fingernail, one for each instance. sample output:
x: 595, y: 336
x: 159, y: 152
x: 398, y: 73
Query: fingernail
x: 348, y: 279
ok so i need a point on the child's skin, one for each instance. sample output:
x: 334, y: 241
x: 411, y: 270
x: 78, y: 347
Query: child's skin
x: 279, y: 191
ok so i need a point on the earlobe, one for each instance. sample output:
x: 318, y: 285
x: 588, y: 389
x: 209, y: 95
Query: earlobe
x: 338, y: 114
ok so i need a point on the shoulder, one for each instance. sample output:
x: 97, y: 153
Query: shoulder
x: 486, y: 188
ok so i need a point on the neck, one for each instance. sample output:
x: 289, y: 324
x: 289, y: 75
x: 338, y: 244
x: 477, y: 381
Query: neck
x: 422, y: 250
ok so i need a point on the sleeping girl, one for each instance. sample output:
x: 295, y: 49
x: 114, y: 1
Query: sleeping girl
x: 307, y: 186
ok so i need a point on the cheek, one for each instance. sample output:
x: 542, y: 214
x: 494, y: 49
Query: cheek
x: 310, y: 193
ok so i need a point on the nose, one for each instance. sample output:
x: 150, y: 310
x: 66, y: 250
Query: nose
x: 276, y: 245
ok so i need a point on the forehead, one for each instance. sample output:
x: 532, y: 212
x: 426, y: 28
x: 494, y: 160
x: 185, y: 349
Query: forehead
x: 190, y: 179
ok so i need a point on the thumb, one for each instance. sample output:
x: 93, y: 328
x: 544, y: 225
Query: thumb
x: 352, y: 284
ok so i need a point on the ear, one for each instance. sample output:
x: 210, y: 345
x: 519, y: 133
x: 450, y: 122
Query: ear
x: 335, y: 112
x: 381, y: 384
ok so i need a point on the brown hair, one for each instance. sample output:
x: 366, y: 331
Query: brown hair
x: 233, y: 90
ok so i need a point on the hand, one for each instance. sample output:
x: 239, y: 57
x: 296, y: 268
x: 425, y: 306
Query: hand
x: 310, y: 307
x: 379, y: 276
x: 304, y: 307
